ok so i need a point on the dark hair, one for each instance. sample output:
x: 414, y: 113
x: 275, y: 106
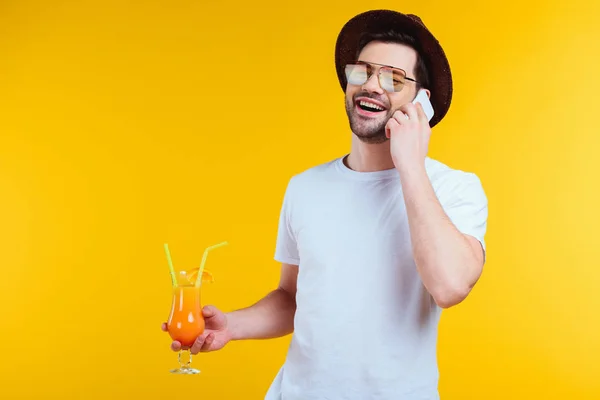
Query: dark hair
x: 421, y: 72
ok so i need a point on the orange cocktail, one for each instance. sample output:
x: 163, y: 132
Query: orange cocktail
x: 186, y: 322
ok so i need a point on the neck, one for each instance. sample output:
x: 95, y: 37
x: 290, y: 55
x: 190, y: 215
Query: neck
x: 366, y: 157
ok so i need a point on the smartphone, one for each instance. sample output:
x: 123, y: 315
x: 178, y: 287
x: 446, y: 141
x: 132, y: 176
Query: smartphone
x: 424, y: 100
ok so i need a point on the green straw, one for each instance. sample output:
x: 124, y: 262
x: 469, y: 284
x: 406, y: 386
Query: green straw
x: 201, y: 270
x: 173, y: 277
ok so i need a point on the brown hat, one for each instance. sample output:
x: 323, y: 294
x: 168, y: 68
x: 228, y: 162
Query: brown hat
x: 430, y: 50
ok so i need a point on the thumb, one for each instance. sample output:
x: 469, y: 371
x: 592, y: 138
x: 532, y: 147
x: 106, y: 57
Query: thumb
x: 214, y: 317
x: 210, y: 311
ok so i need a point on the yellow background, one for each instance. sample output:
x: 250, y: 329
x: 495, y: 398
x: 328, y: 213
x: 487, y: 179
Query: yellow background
x: 124, y: 125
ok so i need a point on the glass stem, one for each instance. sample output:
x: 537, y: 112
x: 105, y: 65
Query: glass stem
x: 185, y: 361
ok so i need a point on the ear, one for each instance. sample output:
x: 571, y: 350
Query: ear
x: 426, y: 92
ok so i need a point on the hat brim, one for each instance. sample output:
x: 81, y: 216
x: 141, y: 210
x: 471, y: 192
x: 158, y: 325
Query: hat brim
x: 440, y: 77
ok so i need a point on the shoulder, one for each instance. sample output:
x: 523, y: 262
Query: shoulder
x: 303, y: 185
x: 450, y: 182
x: 313, y: 176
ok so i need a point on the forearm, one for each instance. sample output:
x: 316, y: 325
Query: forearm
x: 271, y: 317
x: 445, y: 259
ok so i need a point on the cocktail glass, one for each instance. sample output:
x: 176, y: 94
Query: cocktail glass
x: 186, y: 322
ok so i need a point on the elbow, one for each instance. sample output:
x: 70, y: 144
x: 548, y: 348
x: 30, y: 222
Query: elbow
x: 453, y: 290
x: 449, y: 283
x: 451, y: 296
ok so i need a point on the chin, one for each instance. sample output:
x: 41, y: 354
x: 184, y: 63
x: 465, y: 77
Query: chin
x: 373, y: 138
x: 369, y: 134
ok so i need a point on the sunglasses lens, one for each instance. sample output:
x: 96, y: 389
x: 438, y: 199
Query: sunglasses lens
x: 386, y: 79
x: 392, y: 80
x: 356, y: 74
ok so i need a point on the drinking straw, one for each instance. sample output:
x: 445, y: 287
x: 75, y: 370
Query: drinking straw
x: 173, y: 277
x: 201, y: 270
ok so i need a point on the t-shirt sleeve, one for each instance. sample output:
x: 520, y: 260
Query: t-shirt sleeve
x: 286, y: 248
x: 466, y: 205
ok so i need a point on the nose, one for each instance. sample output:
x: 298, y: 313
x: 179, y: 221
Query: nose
x: 372, y: 85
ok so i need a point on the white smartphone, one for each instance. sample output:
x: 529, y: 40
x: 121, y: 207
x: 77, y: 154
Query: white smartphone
x: 424, y: 100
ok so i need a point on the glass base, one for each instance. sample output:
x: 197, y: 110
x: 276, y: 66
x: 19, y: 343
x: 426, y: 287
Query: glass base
x: 184, y: 365
x: 185, y: 371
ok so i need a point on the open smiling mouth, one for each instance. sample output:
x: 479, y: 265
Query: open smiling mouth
x: 369, y: 107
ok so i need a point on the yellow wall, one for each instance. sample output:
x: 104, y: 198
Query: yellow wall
x: 124, y: 125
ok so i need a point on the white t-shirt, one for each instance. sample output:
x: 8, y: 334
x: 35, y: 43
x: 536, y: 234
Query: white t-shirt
x: 365, y: 326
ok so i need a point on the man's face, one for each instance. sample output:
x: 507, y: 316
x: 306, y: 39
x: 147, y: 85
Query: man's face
x: 368, y: 105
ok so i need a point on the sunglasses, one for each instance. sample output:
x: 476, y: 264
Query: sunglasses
x: 390, y: 79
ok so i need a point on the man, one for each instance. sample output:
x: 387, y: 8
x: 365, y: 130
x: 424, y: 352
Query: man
x: 374, y: 244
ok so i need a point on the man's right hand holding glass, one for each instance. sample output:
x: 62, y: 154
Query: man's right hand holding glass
x: 270, y: 317
x: 216, y: 333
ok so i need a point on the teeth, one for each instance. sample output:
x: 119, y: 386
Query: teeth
x: 371, y: 105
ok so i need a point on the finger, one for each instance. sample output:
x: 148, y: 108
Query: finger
x: 208, y: 342
x: 197, y: 346
x: 400, y: 117
x: 175, y: 346
x: 164, y: 327
x: 411, y: 110
x: 421, y: 113
x: 391, y: 124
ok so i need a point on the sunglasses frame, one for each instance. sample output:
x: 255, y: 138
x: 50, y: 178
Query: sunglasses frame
x: 378, y: 67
